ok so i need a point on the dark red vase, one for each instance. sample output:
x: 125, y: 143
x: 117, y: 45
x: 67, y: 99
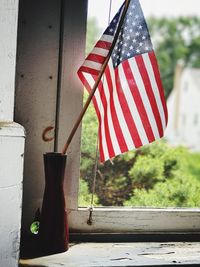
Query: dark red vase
x: 53, y: 232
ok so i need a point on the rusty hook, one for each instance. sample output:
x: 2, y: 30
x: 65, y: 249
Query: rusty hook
x: 44, y: 134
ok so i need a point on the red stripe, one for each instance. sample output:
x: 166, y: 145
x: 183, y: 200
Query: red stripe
x: 126, y: 111
x: 159, y: 82
x: 103, y: 44
x: 88, y: 87
x: 138, y: 100
x: 96, y: 58
x: 117, y: 128
x: 105, y: 121
x: 89, y: 70
x: 150, y: 93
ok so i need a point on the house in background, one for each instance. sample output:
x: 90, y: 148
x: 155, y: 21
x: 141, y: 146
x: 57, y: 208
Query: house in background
x: 184, y: 109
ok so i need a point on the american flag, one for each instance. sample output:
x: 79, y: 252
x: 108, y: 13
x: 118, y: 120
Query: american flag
x: 129, y: 100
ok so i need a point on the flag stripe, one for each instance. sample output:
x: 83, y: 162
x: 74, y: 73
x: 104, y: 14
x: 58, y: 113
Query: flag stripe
x: 129, y: 109
x: 100, y: 51
x: 119, y: 142
x: 103, y: 44
x: 159, y: 95
x: 135, y: 66
x: 107, y: 38
x: 105, y: 155
x: 150, y: 93
x: 92, y: 65
x: 120, y: 114
x: 96, y: 58
x: 105, y: 122
x: 135, y: 97
x: 159, y: 83
x: 88, y: 70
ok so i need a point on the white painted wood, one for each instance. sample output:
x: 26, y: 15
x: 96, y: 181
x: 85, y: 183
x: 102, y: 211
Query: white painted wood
x: 8, y: 30
x: 11, y: 176
x: 122, y: 254
x: 131, y: 220
x: 75, y: 13
x: 36, y: 91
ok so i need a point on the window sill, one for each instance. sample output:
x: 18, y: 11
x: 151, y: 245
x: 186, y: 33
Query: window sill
x: 123, y: 254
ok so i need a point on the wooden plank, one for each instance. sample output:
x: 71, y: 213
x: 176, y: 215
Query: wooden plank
x: 11, y: 172
x: 113, y: 220
x: 75, y: 13
x: 8, y: 30
x: 123, y: 254
x: 36, y: 91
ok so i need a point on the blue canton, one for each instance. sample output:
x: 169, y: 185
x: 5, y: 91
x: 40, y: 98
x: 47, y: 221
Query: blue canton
x: 134, y: 38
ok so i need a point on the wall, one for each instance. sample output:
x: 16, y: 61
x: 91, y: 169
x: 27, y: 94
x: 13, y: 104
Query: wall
x: 51, y: 42
x: 11, y: 140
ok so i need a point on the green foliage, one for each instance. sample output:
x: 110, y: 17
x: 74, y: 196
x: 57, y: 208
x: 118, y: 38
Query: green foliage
x: 175, y: 39
x: 84, y: 195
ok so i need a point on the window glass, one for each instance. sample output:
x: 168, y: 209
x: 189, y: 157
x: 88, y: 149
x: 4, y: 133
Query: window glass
x: 165, y: 173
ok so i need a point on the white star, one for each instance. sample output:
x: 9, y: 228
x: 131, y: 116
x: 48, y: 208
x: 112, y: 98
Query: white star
x: 137, y: 34
x: 111, y: 30
x: 121, y: 58
x: 133, y: 23
x: 115, y: 47
x: 140, y: 27
x: 117, y: 56
x: 131, y: 47
x: 146, y: 48
x: 136, y: 16
x: 125, y: 28
x: 134, y: 41
x: 114, y: 55
x: 114, y: 20
x: 141, y: 44
x: 131, y: 30
x: 133, y: 6
x: 128, y: 37
x: 138, y: 50
x: 143, y: 37
x: 130, y: 13
x: 128, y: 20
x: 128, y: 54
x: 125, y: 44
x: 123, y: 51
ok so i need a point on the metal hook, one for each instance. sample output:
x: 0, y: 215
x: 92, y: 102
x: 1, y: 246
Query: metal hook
x: 44, y: 134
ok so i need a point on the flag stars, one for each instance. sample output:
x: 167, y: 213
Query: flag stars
x: 137, y: 34
x: 131, y: 30
x: 133, y: 6
x: 128, y: 54
x: 128, y: 37
x: 140, y: 44
x: 111, y: 30
x: 140, y: 27
x: 143, y: 37
x: 138, y: 50
x: 134, y: 40
x: 131, y: 47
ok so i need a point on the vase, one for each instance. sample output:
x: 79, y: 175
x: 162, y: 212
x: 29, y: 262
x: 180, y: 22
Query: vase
x: 53, y: 231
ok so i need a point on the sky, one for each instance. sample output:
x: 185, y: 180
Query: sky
x: 100, y: 8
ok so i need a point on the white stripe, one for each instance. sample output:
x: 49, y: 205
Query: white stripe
x: 90, y: 80
x: 113, y: 137
x: 154, y: 86
x: 144, y: 97
x: 106, y: 38
x: 92, y: 64
x: 122, y: 122
x: 132, y: 106
x: 100, y: 51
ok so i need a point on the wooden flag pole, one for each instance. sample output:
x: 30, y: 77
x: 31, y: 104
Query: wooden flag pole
x: 77, y: 123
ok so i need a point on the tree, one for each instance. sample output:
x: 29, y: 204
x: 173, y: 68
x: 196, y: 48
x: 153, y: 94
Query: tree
x: 175, y: 39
